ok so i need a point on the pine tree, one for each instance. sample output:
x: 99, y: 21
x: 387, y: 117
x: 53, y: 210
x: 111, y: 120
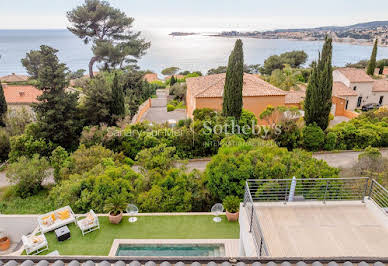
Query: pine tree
x: 57, y: 112
x: 118, y: 105
x: 3, y: 106
x: 318, y: 100
x: 232, y: 102
x: 372, y: 62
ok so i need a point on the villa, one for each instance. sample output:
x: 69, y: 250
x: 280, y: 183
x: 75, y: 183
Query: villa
x: 207, y: 92
x: 19, y: 96
x: 14, y: 78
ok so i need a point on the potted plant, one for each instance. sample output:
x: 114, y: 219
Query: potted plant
x: 115, y: 207
x: 4, y: 241
x: 232, y: 206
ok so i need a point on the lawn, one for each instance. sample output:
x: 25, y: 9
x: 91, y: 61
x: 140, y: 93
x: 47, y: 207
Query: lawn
x: 147, y: 227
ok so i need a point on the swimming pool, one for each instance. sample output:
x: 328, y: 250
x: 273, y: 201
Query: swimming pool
x: 166, y: 250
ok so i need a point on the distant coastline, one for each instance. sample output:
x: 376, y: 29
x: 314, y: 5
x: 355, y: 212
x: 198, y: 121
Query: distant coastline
x: 183, y: 33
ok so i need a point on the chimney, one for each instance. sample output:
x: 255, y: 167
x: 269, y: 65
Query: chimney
x: 21, y: 93
x: 13, y: 74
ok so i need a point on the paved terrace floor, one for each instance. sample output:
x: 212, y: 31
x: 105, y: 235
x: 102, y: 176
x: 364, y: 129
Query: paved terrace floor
x: 331, y: 230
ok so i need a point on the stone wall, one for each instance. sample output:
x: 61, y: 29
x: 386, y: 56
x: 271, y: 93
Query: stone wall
x: 143, y: 108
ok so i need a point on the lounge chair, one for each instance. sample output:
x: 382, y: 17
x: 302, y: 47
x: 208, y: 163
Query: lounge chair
x: 89, y: 223
x: 35, y: 243
x: 56, y: 219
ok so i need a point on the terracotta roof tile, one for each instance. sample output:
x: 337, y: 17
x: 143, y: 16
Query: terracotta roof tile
x: 213, y: 86
x: 295, y: 96
x: 21, y: 94
x: 14, y: 78
x: 340, y: 89
x: 355, y: 74
x: 380, y: 85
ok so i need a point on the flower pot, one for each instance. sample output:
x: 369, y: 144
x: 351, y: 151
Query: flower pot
x: 232, y: 217
x: 115, y: 219
x: 4, y: 243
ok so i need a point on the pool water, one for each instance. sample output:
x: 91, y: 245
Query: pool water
x: 166, y: 250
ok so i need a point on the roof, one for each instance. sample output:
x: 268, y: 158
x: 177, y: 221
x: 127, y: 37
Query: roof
x: 295, y: 96
x: 212, y: 86
x: 340, y: 89
x: 192, y: 261
x: 21, y: 94
x: 150, y: 77
x: 14, y: 78
x: 380, y: 85
x: 355, y: 74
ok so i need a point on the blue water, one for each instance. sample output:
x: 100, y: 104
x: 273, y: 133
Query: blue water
x: 169, y: 250
x: 196, y: 52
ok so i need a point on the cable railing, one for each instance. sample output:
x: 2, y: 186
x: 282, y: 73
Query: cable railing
x: 305, y: 189
x: 379, y: 195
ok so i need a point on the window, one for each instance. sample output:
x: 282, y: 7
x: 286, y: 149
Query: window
x: 381, y: 100
x: 359, y: 101
x: 347, y: 103
x: 355, y: 88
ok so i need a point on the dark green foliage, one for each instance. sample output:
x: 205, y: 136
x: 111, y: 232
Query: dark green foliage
x: 372, y: 61
x: 57, y: 112
x: 368, y: 129
x: 313, y: 137
x: 232, y: 166
x: 362, y: 64
x: 218, y: 70
x: 232, y: 99
x: 117, y: 105
x: 57, y: 160
x: 32, y: 63
x: 3, y: 106
x: 381, y: 64
x: 110, y: 32
x: 170, y: 71
x: 330, y: 141
x: 295, y: 59
x: 231, y: 204
x: 318, y: 100
x: 172, y: 80
x: 4, y: 145
x: 289, y: 135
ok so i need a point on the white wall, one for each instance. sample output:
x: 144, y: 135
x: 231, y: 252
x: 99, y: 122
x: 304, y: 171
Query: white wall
x: 338, y: 76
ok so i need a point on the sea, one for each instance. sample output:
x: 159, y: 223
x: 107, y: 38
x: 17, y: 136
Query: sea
x: 195, y: 52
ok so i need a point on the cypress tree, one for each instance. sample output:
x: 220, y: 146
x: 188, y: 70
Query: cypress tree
x: 118, y: 106
x: 232, y: 99
x: 172, y: 80
x: 372, y: 62
x: 318, y: 100
x: 3, y: 106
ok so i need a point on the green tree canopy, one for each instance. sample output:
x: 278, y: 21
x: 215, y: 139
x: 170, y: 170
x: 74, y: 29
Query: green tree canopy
x: 32, y: 62
x: 3, y: 106
x: 109, y: 31
x: 232, y: 100
x: 295, y: 59
x: 319, y: 90
x: 170, y: 71
x: 372, y: 62
x: 118, y: 105
x: 57, y: 112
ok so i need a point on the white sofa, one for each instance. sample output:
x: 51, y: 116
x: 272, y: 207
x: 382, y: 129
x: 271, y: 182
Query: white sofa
x: 89, y: 223
x: 35, y: 243
x: 53, y: 220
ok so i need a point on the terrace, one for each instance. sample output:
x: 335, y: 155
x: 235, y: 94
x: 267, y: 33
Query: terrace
x: 196, y: 227
x: 315, y: 218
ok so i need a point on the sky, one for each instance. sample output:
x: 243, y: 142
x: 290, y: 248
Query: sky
x: 202, y: 14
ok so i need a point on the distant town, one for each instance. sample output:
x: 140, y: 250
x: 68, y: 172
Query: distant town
x: 359, y: 34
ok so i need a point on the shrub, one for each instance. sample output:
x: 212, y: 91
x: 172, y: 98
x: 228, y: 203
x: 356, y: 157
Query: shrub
x: 204, y: 114
x: 115, y: 204
x: 231, y: 204
x: 170, y: 107
x: 330, y: 141
x: 57, y: 160
x: 159, y: 158
x: 178, y: 90
x: 28, y: 174
x: 4, y: 145
x: 313, y: 137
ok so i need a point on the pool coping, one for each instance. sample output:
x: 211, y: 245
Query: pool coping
x: 231, y: 245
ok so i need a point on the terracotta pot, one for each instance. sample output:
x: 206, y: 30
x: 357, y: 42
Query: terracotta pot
x: 115, y: 219
x: 4, y: 243
x: 232, y: 217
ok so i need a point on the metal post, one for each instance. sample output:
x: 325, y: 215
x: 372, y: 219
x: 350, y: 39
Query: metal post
x: 261, y: 247
x: 250, y: 227
x: 285, y: 194
x: 324, y: 197
x: 365, y: 190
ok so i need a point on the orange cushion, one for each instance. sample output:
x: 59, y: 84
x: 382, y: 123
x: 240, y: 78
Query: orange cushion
x: 63, y: 215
